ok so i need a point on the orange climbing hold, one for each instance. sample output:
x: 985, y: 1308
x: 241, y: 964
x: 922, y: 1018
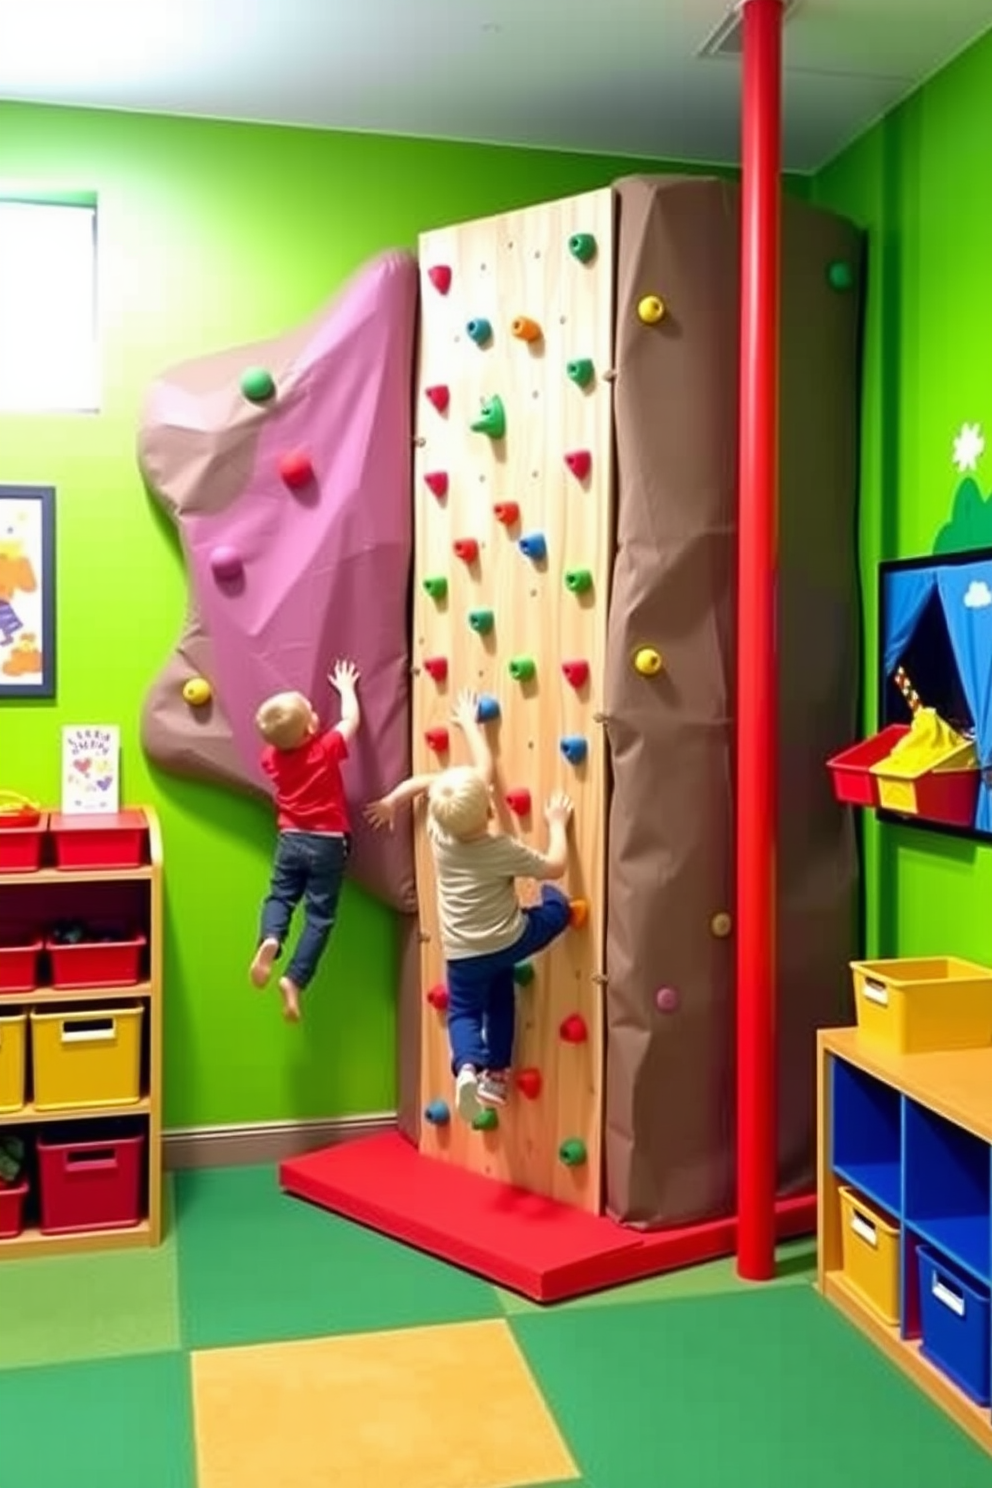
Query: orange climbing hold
x: 438, y: 997
x: 466, y: 548
x: 578, y: 913
x: 525, y: 329
x: 529, y: 1082
x: 573, y: 1029
x: 437, y: 739
x: 438, y: 396
x: 507, y: 512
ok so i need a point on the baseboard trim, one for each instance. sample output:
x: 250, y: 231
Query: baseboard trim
x: 265, y: 1141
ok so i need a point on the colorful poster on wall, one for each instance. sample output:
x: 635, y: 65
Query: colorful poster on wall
x: 91, y: 774
x: 27, y: 592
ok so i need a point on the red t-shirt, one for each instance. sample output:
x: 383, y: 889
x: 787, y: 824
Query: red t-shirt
x: 308, y: 787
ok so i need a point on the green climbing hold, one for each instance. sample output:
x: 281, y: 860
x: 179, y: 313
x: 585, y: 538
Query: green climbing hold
x: 257, y: 384
x: 436, y: 587
x: 581, y: 371
x: 485, y: 1120
x: 522, y: 668
x: 481, y: 621
x: 523, y: 973
x: 840, y: 275
x: 573, y: 1152
x: 582, y: 246
x: 578, y: 580
x: 492, y: 418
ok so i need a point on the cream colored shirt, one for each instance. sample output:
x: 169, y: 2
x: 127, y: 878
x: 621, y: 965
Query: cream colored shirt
x: 478, y: 909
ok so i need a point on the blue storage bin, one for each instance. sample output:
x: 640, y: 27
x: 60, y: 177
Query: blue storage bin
x: 954, y: 1322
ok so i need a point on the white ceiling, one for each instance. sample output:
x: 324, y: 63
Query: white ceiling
x: 608, y: 75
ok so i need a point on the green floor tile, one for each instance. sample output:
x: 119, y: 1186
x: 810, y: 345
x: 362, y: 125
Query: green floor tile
x: 766, y: 1388
x: 62, y: 1308
x: 796, y: 1266
x: 256, y: 1266
x: 116, y: 1423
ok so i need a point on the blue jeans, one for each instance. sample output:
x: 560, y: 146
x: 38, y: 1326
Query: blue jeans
x: 308, y: 866
x: 481, y: 1006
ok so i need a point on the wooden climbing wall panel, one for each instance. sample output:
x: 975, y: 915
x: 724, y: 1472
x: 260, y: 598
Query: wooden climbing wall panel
x: 551, y: 265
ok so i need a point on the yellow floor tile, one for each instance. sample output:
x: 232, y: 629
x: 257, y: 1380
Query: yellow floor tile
x: 447, y: 1407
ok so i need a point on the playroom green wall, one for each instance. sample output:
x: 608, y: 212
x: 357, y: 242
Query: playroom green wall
x: 919, y: 182
x: 212, y: 234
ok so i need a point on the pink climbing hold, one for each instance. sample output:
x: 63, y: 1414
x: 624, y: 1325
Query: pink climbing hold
x: 573, y: 1029
x: 436, y: 667
x: 579, y: 463
x: 440, y: 277
x: 436, y: 482
x: 438, y: 997
x: 225, y: 563
x: 518, y: 801
x: 438, y: 396
x: 667, y: 999
x: 296, y: 469
x: 437, y: 739
x: 576, y: 673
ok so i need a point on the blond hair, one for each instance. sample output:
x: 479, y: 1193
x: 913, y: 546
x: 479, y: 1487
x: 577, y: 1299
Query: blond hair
x: 284, y: 720
x: 458, y: 801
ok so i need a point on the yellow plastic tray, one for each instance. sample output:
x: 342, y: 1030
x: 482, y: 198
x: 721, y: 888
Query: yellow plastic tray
x: 925, y: 1005
x: 870, y: 1254
x: 13, y: 1060
x: 89, y: 1056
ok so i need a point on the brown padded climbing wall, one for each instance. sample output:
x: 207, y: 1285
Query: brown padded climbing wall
x: 669, y: 1122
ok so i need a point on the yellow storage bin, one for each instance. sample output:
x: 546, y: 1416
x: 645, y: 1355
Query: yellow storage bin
x: 86, y: 1057
x: 870, y: 1254
x: 924, y: 1006
x: 13, y: 1060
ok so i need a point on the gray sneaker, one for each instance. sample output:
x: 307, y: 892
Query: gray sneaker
x: 467, y: 1093
x: 492, y: 1088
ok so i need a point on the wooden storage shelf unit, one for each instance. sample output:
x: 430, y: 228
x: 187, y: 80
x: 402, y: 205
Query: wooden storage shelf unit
x: 109, y: 895
x: 910, y: 1136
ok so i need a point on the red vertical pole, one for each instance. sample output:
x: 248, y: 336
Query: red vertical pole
x: 757, y: 680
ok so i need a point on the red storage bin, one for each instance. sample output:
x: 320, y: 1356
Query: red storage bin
x: 22, y: 834
x: 854, y: 784
x: 12, y: 1209
x: 90, y: 842
x: 103, y: 963
x: 19, y: 964
x: 90, y: 1184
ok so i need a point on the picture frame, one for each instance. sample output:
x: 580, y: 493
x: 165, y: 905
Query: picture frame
x: 27, y: 592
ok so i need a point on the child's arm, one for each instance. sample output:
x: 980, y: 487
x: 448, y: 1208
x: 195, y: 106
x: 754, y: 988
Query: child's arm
x: 465, y: 715
x: 344, y: 677
x: 382, y: 813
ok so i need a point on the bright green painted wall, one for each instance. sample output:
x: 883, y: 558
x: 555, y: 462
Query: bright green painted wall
x: 920, y: 184
x: 210, y: 235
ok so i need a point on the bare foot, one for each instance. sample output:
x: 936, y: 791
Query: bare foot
x: 290, y: 999
x: 261, y: 967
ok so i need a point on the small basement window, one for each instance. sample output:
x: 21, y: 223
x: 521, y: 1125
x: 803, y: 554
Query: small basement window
x: 48, y: 312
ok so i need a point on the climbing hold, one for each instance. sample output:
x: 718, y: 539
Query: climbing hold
x: 578, y: 913
x: 479, y: 331
x: 528, y: 1082
x: 582, y: 246
x: 518, y: 801
x: 574, y: 748
x: 487, y: 709
x: 296, y: 469
x: 437, y: 1113
x: 647, y: 661
x: 578, y: 580
x: 436, y: 482
x: 573, y: 1029
x: 436, y: 586
x: 579, y: 463
x: 524, y: 973
x: 507, y: 512
x: 438, y: 998
x: 580, y: 371
x: 197, y: 691
x: 440, y: 277
x: 666, y: 999
x: 650, y: 309
x: 257, y: 384
x: 525, y: 330
x: 576, y: 673
x: 225, y: 563
x: 492, y: 418
x: 466, y: 548
x: 438, y: 396
x: 481, y: 621
x: 522, y: 668
x: 485, y: 1120
x: 572, y: 1152
x: 840, y: 275
x: 437, y: 740
x: 721, y: 925
x: 436, y: 667
x: 534, y: 547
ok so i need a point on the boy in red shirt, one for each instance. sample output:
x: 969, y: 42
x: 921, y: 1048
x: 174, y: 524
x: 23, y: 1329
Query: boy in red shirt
x: 304, y: 763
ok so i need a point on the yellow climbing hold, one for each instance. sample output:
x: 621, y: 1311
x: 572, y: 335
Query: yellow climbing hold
x: 197, y: 691
x: 650, y: 309
x: 721, y: 925
x: 648, y: 661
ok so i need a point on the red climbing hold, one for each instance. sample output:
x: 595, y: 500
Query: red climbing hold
x: 440, y: 277
x: 438, y: 997
x: 573, y: 1029
x: 295, y: 469
x: 466, y: 548
x: 436, y: 667
x: 437, y: 739
x: 439, y: 396
x: 579, y: 463
x: 436, y: 481
x: 507, y: 512
x: 576, y: 672
x: 518, y: 801
x: 529, y: 1083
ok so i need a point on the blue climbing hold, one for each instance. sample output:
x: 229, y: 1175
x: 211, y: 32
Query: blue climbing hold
x: 487, y: 708
x: 479, y: 331
x: 437, y: 1113
x: 574, y: 748
x: 534, y: 547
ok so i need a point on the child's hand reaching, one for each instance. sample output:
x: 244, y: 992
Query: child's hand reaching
x: 466, y: 708
x: 381, y: 814
x: 558, y: 811
x: 343, y: 676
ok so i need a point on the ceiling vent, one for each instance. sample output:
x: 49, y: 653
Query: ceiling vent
x: 726, y: 40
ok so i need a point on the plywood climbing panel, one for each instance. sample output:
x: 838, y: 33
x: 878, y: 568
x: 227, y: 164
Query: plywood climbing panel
x: 513, y: 555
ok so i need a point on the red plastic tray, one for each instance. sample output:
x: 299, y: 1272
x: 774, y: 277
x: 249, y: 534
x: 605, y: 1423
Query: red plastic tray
x: 20, y: 843
x: 19, y: 966
x: 12, y: 1210
x: 93, y: 842
x: 96, y: 963
x: 90, y: 1185
x: 851, y: 769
